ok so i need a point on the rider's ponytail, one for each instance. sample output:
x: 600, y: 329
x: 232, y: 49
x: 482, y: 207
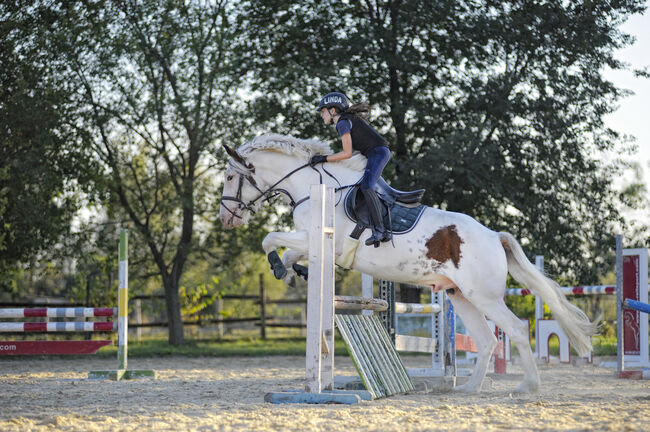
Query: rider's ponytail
x: 360, y: 109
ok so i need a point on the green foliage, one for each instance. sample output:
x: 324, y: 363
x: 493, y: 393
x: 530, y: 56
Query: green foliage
x: 495, y: 107
x: 43, y: 170
x: 155, y: 83
x: 95, y: 276
x: 243, y: 277
x: 522, y: 306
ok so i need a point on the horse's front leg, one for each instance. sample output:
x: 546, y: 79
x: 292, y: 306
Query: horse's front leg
x: 297, y: 241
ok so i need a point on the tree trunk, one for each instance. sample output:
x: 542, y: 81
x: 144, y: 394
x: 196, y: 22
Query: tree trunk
x: 173, y: 303
x: 396, y: 102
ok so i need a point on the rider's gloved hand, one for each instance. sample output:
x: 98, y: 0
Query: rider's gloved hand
x: 316, y: 159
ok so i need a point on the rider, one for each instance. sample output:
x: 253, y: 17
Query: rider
x: 356, y: 134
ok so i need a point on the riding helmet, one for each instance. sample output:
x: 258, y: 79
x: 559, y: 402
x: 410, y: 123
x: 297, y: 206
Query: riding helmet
x: 334, y: 100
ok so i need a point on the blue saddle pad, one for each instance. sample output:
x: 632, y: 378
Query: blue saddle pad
x: 398, y: 219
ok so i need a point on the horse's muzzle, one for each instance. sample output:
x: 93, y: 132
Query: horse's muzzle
x: 229, y: 219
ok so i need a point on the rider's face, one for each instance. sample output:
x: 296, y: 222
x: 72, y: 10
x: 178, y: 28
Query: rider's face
x: 326, y: 115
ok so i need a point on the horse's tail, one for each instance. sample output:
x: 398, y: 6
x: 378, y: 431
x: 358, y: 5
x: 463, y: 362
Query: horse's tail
x: 573, y: 321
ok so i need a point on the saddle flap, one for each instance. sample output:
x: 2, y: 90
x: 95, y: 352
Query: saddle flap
x: 399, y: 219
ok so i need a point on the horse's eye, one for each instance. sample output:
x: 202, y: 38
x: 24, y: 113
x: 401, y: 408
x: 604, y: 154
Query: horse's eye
x: 229, y: 178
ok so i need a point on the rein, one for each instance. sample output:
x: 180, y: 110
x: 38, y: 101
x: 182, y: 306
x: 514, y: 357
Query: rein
x: 266, y: 194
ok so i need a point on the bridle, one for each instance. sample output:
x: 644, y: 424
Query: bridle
x: 264, y: 195
x: 270, y: 193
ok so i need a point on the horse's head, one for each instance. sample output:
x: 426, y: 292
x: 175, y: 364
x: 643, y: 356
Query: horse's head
x: 239, y: 191
x: 271, y: 165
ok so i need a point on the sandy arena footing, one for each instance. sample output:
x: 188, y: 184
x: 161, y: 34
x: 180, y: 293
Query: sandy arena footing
x: 226, y: 394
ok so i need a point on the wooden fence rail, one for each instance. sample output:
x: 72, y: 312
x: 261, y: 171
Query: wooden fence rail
x: 263, y: 321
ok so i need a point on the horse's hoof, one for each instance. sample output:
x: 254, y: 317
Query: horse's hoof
x: 527, y: 387
x: 280, y: 272
x: 278, y: 268
x: 301, y: 271
x: 465, y: 388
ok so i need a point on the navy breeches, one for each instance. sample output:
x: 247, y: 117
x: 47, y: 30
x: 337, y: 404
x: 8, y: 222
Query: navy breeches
x: 378, y: 157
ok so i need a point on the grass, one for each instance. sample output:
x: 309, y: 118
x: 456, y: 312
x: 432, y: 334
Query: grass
x: 257, y: 347
x: 603, y: 346
x: 249, y: 347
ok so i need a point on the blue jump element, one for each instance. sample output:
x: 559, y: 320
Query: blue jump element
x: 636, y: 305
x: 347, y: 397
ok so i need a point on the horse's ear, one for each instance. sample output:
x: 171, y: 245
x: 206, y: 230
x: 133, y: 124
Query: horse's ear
x: 233, y: 153
x: 238, y: 158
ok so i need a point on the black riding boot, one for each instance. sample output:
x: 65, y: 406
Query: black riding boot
x: 379, y: 233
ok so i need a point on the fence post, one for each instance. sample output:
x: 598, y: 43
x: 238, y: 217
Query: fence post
x: 262, y: 308
x: 87, y: 335
x: 138, y: 319
x: 218, y: 307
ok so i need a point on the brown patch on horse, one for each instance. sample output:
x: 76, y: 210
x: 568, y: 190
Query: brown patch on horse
x: 444, y: 245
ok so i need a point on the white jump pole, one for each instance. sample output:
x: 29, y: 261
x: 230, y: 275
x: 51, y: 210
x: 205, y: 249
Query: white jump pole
x: 319, y: 353
x: 366, y: 290
x: 320, y: 292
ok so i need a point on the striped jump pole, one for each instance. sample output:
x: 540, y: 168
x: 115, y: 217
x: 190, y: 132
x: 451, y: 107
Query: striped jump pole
x: 57, y: 312
x: 575, y: 290
x: 122, y: 321
x: 417, y: 308
x: 47, y: 327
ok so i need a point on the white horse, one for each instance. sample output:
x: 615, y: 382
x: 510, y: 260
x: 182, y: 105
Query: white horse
x: 446, y: 250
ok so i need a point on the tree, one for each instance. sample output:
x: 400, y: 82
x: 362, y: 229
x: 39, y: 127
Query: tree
x: 156, y: 88
x: 42, y: 169
x: 495, y: 107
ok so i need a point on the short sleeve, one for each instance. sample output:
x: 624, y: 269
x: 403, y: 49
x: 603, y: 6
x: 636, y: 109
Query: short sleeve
x: 343, y: 127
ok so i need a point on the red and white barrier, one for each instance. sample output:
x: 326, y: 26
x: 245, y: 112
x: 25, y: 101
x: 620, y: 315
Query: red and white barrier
x: 574, y: 290
x: 58, y: 312
x: 77, y: 326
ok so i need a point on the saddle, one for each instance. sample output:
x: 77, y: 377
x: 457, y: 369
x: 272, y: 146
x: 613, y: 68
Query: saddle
x: 401, y: 210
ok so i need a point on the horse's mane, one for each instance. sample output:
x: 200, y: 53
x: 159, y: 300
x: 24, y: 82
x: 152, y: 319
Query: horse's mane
x: 301, y: 148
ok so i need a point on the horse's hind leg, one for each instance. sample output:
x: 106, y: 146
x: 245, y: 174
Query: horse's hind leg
x: 484, y: 339
x: 516, y: 330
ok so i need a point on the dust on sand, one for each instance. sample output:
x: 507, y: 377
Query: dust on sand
x: 226, y: 394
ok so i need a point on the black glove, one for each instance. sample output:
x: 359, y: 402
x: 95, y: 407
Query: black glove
x: 316, y: 159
